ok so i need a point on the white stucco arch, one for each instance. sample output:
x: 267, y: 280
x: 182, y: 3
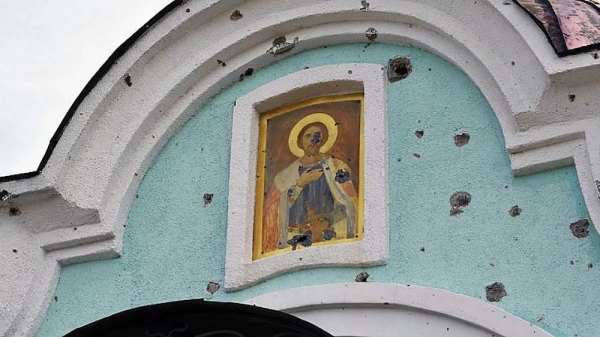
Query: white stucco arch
x: 380, y: 309
x: 116, y: 131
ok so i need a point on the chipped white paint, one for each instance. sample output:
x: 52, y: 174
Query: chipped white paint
x: 373, y: 249
x: 93, y: 173
x: 382, y: 310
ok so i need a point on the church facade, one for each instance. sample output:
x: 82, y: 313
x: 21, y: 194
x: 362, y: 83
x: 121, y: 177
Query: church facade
x: 382, y: 168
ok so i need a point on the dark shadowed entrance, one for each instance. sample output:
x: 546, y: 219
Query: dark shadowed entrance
x: 198, y: 318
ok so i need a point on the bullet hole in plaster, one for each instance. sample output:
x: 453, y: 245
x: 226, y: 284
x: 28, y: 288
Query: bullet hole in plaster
x: 399, y: 159
x: 55, y: 298
x: 595, y: 56
x: 492, y: 264
x: 349, y: 73
x: 341, y: 176
x: 223, y: 64
x: 419, y: 133
x: 386, y: 303
x: 462, y: 139
x: 364, y: 5
x: 127, y: 80
x: 458, y: 201
x: 187, y: 10
x: 14, y: 211
x: 495, y: 292
x: 572, y: 97
x: 579, y: 229
x: 590, y: 265
x: 539, y: 319
x: 281, y: 45
x: 571, y: 262
x: 208, y: 198
x: 372, y: 34
x: 236, y: 15
x: 416, y: 155
x: 247, y: 73
x: 212, y: 287
x: 362, y: 277
x: 4, y: 195
x: 515, y: 211
x: 15, y: 251
x: 304, y: 239
x: 429, y: 69
x: 74, y: 228
x: 422, y: 249
x: 399, y: 68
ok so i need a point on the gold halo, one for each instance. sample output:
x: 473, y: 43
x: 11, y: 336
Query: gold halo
x: 325, y: 119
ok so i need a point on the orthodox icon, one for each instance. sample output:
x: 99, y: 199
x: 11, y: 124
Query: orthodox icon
x: 309, y: 186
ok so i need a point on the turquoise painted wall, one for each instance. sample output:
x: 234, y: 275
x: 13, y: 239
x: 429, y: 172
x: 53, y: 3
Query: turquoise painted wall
x: 174, y: 244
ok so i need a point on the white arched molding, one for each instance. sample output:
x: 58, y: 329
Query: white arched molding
x: 114, y: 135
x: 385, y: 309
x: 373, y: 249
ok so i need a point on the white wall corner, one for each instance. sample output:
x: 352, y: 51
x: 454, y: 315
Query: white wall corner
x: 240, y: 270
x: 558, y: 145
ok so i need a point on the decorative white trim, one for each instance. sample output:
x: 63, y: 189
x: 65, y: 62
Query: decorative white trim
x: 387, y: 297
x: 240, y: 270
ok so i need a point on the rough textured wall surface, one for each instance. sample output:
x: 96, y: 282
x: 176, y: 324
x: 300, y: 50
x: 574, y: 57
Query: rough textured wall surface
x: 174, y: 244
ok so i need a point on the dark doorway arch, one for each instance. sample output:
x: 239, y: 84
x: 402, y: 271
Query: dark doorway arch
x: 199, y: 318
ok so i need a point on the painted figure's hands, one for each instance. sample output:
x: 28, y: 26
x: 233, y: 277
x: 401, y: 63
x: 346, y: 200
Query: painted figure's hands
x: 309, y: 176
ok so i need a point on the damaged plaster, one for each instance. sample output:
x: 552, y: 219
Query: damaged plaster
x: 170, y: 209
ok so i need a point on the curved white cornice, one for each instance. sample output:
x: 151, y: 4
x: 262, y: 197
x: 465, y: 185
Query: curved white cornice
x: 398, y: 299
x: 118, y: 129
